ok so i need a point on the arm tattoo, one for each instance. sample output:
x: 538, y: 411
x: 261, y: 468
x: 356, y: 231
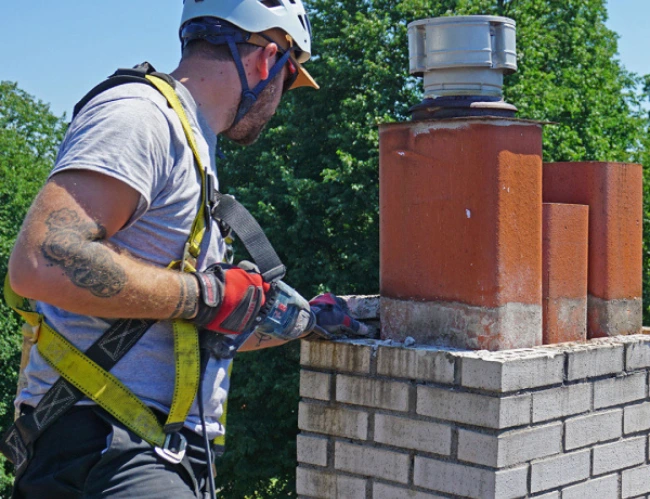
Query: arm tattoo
x: 68, y: 244
x: 187, y: 299
x: 261, y: 338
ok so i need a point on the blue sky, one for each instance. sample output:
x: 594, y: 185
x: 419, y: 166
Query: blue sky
x: 57, y: 50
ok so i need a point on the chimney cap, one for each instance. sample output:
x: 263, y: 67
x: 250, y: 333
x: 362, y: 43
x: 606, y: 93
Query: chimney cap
x: 464, y: 19
x: 463, y: 55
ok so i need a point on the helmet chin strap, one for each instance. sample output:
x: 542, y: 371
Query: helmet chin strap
x: 248, y: 96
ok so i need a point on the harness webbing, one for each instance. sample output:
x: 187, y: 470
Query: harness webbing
x: 193, y: 246
x: 99, y: 385
x: 87, y: 373
x: 227, y: 209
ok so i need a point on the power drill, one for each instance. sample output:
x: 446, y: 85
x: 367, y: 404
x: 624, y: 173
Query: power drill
x: 286, y: 315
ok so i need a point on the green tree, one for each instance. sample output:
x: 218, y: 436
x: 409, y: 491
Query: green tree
x: 312, y: 179
x: 29, y: 138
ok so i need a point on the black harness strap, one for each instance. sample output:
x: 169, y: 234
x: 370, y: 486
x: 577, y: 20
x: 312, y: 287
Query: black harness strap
x: 17, y: 442
x: 229, y: 210
x: 120, y: 77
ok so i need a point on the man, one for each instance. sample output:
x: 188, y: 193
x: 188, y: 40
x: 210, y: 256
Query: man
x: 118, y: 207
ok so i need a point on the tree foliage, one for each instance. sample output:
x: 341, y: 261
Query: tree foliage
x: 29, y: 138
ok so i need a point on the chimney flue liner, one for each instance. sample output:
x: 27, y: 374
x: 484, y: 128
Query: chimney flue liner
x: 462, y: 61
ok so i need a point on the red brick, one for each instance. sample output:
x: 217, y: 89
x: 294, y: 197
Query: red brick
x: 460, y: 211
x: 564, y: 272
x: 614, y: 194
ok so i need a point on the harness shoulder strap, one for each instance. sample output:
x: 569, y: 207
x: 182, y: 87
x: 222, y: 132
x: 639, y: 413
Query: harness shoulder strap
x: 120, y: 77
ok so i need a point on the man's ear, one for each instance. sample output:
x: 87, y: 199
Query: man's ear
x: 266, y: 59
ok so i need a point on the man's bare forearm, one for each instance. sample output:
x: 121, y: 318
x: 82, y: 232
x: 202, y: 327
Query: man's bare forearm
x: 71, y: 265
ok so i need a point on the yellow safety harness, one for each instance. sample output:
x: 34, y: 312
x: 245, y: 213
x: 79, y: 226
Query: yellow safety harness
x: 99, y: 385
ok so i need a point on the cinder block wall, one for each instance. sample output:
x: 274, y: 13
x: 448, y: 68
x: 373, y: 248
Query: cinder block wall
x: 382, y: 421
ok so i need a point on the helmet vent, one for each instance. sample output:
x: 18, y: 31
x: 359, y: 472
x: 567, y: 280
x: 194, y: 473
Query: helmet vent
x: 271, y: 3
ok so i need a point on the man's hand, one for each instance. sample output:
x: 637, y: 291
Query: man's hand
x: 332, y: 314
x: 231, y: 298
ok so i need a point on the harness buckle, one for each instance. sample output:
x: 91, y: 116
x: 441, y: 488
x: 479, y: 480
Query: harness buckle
x: 173, y: 450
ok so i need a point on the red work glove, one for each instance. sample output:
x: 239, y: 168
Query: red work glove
x: 231, y: 298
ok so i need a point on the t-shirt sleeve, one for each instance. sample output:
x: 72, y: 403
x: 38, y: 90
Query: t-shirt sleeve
x: 128, y: 139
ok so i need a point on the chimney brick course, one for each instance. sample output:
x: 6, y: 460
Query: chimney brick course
x: 551, y: 422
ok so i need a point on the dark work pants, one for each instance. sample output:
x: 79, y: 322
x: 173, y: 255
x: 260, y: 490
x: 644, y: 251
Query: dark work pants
x: 88, y: 454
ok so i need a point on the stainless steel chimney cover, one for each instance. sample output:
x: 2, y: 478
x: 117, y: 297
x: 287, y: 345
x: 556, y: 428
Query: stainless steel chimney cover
x: 462, y: 55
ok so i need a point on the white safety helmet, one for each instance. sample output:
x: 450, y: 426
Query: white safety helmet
x: 256, y: 16
x: 283, y: 21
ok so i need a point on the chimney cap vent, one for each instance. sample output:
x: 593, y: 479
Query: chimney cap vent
x: 463, y: 55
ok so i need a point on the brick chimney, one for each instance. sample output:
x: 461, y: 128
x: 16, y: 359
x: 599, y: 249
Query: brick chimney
x: 461, y: 197
x: 484, y: 248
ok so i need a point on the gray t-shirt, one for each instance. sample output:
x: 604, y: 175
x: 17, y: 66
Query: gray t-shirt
x: 130, y: 133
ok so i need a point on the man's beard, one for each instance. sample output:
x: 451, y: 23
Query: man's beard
x: 249, y: 128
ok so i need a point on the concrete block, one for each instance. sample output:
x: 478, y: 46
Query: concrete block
x: 614, y: 194
x: 458, y: 325
x: 384, y: 491
x: 636, y: 418
x: 620, y: 390
x: 558, y: 402
x: 511, y: 370
x: 315, y: 385
x: 372, y: 461
x: 312, y: 450
x: 593, y: 428
x: 474, y: 409
x: 565, y: 232
x: 511, y: 447
x: 550, y: 495
x: 635, y: 481
x: 340, y: 422
x: 371, y: 392
x: 511, y: 483
x: 637, y: 355
x: 421, y: 364
x: 362, y: 306
x: 323, y: 485
x: 594, y: 360
x: 411, y: 434
x: 619, y: 455
x: 606, y: 486
x: 348, y: 357
x: 613, y: 317
x: 466, y: 239
x: 468, y: 481
x: 478, y: 448
x: 560, y: 470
